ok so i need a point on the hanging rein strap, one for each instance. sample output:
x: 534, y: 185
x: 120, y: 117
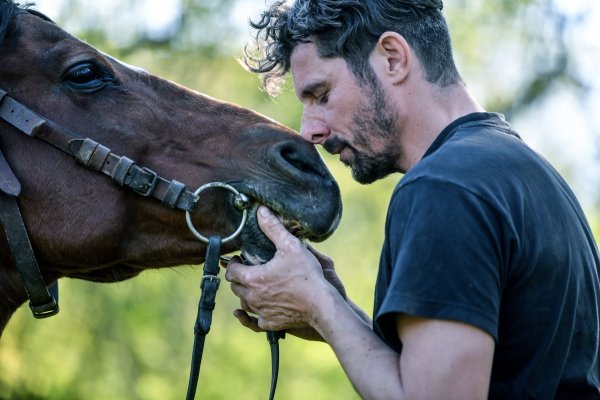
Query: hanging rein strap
x: 42, y: 304
x: 210, y: 285
x: 122, y: 170
x: 206, y: 305
x: 273, y: 339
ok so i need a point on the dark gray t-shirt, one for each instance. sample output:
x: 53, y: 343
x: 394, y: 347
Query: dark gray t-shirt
x: 484, y: 231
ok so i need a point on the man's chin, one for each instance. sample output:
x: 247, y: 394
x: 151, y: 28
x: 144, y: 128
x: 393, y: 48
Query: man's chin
x: 347, y: 156
x: 362, y: 179
x: 368, y: 176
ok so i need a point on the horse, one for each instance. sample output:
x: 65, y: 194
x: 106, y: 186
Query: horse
x: 80, y: 224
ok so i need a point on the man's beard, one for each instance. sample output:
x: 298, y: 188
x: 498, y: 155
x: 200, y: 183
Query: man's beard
x: 375, y: 120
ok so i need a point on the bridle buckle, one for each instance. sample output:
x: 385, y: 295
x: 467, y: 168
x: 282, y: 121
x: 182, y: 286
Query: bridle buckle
x: 146, y: 188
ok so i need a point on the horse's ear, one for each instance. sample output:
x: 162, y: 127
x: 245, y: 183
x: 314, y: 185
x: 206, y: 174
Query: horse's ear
x: 9, y: 184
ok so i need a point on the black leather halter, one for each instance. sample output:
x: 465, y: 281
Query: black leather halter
x: 122, y: 170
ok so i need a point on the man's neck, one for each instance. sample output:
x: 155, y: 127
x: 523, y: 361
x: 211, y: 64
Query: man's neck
x: 434, y: 108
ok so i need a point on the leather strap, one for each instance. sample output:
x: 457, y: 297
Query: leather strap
x: 206, y: 305
x: 273, y: 339
x: 42, y: 304
x: 9, y: 184
x: 122, y: 170
x: 89, y: 153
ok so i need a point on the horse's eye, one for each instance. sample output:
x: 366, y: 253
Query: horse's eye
x: 86, y: 77
x: 82, y: 74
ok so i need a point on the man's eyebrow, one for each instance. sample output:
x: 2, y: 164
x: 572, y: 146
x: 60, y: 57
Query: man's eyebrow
x: 312, y: 88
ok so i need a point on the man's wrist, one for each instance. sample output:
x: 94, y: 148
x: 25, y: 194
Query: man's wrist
x: 328, y: 303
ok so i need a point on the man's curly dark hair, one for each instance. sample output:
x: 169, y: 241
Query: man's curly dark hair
x: 350, y: 29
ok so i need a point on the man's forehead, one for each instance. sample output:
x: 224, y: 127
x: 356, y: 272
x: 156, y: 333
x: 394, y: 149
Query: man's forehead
x: 306, y: 63
x: 311, y: 72
x: 304, y: 52
x: 307, y: 69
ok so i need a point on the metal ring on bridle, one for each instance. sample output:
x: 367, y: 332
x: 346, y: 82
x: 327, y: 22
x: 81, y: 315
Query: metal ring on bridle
x: 202, y: 188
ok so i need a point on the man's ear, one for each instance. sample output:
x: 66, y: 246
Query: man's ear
x: 392, y: 56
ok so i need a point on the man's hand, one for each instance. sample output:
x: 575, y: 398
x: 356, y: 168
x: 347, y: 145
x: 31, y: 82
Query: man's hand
x: 307, y: 332
x: 329, y: 270
x: 250, y: 322
x: 283, y: 291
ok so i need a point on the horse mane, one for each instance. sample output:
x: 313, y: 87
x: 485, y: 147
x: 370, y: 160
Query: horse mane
x: 8, y: 21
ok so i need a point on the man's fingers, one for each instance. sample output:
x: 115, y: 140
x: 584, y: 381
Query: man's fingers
x: 332, y: 277
x: 247, y: 320
x: 225, y: 260
x: 235, y: 269
x: 273, y: 228
x: 326, y: 262
x: 245, y: 306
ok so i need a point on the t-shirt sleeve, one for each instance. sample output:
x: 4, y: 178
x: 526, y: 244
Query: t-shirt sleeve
x: 445, y: 250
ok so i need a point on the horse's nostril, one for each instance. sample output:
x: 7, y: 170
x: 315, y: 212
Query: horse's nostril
x: 291, y: 156
x: 303, y: 159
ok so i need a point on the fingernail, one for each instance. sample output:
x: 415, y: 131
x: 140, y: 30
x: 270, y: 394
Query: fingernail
x: 263, y: 211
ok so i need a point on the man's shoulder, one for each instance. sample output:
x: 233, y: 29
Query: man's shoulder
x: 475, y: 157
x: 473, y: 147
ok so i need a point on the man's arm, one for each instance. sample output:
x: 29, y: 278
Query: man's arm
x: 440, y: 359
x: 444, y: 359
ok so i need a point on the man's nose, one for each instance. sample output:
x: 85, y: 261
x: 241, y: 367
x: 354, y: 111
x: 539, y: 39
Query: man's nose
x: 313, y: 130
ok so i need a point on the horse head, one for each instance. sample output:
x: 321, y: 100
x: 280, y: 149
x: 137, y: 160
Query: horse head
x: 83, y: 226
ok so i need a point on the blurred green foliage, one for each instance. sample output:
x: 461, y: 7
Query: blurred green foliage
x: 132, y: 340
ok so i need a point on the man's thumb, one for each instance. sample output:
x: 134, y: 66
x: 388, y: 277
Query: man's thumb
x: 272, y: 227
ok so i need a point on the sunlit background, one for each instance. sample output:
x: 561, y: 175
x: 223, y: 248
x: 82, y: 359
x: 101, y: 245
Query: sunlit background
x: 534, y: 61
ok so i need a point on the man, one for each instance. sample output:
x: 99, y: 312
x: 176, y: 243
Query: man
x: 488, y: 280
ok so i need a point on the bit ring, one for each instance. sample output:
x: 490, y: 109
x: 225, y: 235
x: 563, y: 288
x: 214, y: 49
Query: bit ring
x: 238, y: 196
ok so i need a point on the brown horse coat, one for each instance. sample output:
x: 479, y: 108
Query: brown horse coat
x: 82, y: 225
